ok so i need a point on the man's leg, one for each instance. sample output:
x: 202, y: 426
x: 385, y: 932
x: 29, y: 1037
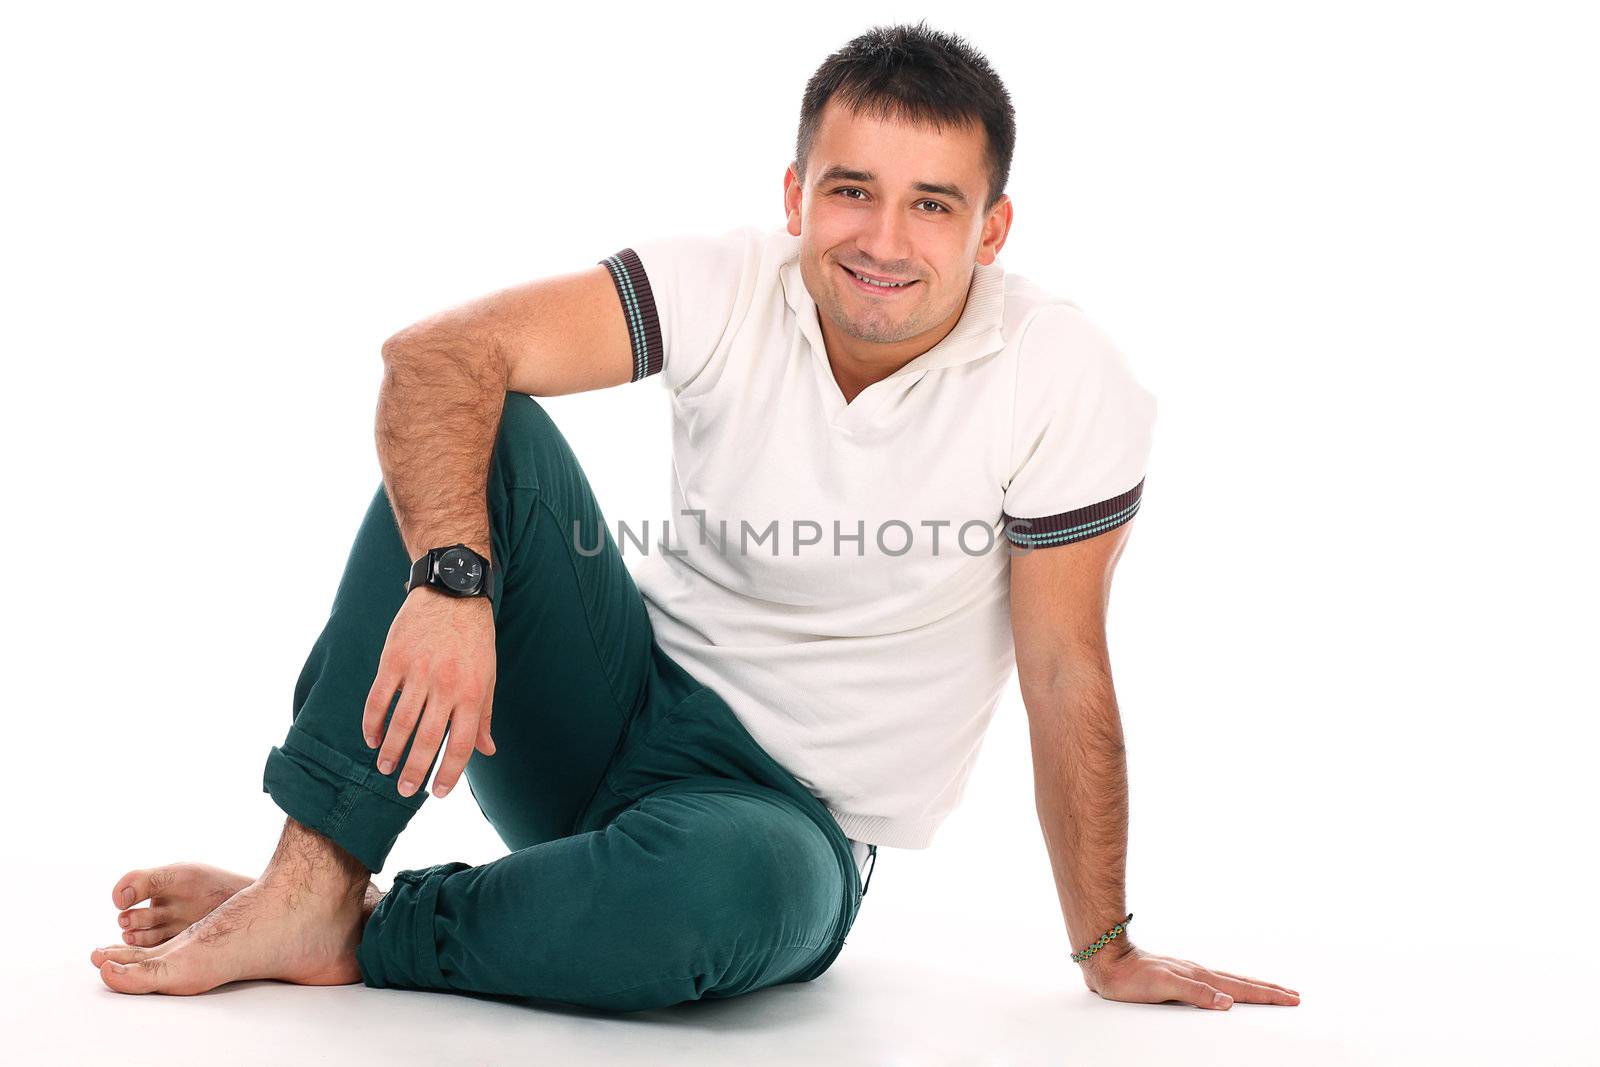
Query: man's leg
x: 573, y: 656
x: 702, y: 868
x: 180, y: 894
x: 698, y: 890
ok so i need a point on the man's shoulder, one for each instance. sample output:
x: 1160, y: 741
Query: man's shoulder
x: 746, y: 259
x: 1054, y: 343
x: 1027, y: 300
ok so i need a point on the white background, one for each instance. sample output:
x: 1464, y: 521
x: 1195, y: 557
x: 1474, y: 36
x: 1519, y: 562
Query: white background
x: 1351, y: 248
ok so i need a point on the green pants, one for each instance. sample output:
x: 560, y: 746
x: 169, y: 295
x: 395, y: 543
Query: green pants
x: 657, y: 853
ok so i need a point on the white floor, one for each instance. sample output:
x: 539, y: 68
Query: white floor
x: 912, y: 987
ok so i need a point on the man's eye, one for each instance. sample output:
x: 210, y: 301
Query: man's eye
x: 935, y: 203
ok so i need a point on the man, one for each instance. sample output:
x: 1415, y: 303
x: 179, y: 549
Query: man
x: 905, y: 472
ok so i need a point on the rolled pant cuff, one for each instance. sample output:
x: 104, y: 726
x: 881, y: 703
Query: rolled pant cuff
x: 324, y: 790
x: 397, y: 947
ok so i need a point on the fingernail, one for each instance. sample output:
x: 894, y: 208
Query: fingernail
x: 119, y: 968
x: 406, y: 787
x: 127, y: 897
x: 385, y: 766
x: 1222, y: 1001
x: 368, y: 739
x: 124, y: 919
x: 440, y: 790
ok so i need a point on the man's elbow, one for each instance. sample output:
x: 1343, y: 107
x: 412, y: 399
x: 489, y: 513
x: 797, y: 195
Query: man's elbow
x: 393, y: 347
x: 473, y: 351
x: 416, y: 341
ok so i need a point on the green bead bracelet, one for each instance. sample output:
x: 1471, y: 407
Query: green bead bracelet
x: 1105, y: 939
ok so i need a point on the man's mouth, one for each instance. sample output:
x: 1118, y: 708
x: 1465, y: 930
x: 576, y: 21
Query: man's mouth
x: 876, y: 285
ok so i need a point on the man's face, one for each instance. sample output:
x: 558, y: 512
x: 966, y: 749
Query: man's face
x: 897, y: 202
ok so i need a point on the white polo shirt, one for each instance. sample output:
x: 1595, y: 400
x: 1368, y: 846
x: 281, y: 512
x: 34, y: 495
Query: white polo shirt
x: 839, y: 573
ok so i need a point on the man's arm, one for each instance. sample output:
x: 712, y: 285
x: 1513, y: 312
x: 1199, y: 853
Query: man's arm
x: 1059, y: 597
x: 444, y: 386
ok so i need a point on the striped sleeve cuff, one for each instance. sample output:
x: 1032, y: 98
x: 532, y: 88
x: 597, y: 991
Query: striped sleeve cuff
x: 1076, y: 525
x: 639, y: 308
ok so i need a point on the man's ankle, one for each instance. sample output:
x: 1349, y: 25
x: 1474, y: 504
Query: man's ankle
x: 370, y: 902
x: 311, y: 859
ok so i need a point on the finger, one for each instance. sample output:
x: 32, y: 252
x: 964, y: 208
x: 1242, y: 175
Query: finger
x: 1250, y: 992
x: 426, y: 745
x: 378, y: 700
x: 1200, y: 994
x: 406, y: 714
x: 485, y: 743
x: 456, y: 755
x: 1255, y: 981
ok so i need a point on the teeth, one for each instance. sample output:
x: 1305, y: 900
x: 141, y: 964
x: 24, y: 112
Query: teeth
x: 881, y: 285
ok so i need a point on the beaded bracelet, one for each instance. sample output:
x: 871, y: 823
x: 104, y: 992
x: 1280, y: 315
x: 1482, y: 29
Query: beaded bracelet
x: 1105, y: 939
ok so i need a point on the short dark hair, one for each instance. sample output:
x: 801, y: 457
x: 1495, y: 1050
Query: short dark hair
x: 918, y: 75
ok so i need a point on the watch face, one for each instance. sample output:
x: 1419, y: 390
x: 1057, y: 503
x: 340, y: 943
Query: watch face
x: 460, y: 571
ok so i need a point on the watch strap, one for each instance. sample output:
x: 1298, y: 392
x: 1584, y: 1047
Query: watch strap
x: 420, y: 569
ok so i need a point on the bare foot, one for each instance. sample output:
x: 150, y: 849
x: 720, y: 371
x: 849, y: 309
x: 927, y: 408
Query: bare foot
x: 180, y: 895
x: 282, y: 926
x: 300, y: 922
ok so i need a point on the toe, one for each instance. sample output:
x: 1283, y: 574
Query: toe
x: 171, y: 973
x: 118, y: 954
x: 144, y: 918
x: 149, y: 938
x: 145, y: 883
x: 131, y: 888
x: 138, y: 976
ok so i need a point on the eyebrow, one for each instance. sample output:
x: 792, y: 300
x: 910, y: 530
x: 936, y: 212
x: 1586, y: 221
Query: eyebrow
x: 837, y: 173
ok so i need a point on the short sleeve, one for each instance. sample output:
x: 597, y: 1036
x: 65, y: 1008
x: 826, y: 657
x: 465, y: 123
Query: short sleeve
x: 1081, y: 433
x: 679, y: 295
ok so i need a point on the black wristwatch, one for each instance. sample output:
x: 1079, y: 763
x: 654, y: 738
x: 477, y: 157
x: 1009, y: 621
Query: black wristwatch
x: 455, y: 570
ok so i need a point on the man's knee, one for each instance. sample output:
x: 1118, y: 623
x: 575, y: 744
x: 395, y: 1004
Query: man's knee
x: 531, y: 452
x: 731, y: 854
x: 526, y: 430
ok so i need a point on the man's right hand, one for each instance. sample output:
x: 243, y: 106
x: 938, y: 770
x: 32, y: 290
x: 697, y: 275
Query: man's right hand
x: 440, y: 654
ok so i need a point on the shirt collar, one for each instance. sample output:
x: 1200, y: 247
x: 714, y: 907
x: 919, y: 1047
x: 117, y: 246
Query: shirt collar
x: 975, y: 335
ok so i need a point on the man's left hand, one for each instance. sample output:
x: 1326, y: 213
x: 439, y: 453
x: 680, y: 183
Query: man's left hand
x: 1128, y: 973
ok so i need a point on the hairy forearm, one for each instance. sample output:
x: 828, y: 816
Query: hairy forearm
x: 1080, y: 780
x: 438, y: 415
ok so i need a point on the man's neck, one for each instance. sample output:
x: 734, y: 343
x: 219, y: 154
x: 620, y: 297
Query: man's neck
x: 853, y: 374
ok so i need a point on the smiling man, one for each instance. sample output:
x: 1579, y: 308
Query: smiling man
x: 694, y: 765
